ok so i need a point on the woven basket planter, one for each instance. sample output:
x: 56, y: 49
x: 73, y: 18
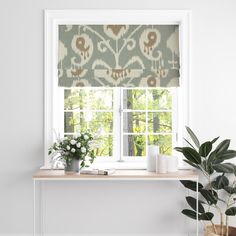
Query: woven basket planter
x: 209, y: 231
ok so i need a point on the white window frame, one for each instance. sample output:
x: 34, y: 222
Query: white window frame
x: 53, y: 18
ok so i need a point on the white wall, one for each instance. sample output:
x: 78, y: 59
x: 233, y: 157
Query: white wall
x: 138, y: 205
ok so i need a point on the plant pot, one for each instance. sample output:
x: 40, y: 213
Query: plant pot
x: 72, y: 167
x: 209, y: 231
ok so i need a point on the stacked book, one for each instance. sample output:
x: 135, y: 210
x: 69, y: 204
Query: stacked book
x: 97, y: 171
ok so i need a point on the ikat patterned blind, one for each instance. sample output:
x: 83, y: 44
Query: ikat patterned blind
x: 118, y: 55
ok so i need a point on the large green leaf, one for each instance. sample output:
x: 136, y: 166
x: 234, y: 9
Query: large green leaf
x: 192, y: 155
x: 205, y: 149
x: 218, y: 159
x: 209, y: 195
x: 229, y: 154
x: 220, y: 182
x: 233, y: 166
x: 231, y: 211
x: 207, y: 167
x: 191, y: 185
x: 191, y: 164
x: 223, y: 168
x: 193, y: 203
x: 230, y: 190
x: 191, y: 214
x: 179, y: 149
x: 211, y: 158
x: 206, y: 216
x: 193, y: 137
x: 189, y: 143
x: 223, y: 146
x: 214, y: 140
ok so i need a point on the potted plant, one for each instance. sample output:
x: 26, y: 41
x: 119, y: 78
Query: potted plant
x: 218, y: 193
x: 73, y: 151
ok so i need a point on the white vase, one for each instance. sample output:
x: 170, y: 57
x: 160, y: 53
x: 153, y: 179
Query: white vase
x: 153, y: 151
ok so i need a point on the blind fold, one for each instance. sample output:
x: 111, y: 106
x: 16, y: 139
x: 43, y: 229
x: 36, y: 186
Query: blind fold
x: 118, y: 56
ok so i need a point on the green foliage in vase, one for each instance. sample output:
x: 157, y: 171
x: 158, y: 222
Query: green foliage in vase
x: 80, y: 147
x: 220, y: 191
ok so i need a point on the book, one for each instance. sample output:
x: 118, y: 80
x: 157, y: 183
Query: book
x: 97, y: 171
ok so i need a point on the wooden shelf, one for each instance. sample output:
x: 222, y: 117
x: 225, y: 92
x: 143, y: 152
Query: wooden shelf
x: 118, y: 175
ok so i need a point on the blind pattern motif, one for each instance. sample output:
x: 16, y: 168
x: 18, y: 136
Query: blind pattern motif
x: 118, y: 55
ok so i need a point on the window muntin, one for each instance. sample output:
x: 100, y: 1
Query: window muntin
x: 147, y: 120
x: 128, y: 119
x: 89, y: 109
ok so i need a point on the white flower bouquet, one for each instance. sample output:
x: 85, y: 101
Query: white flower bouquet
x: 79, y: 147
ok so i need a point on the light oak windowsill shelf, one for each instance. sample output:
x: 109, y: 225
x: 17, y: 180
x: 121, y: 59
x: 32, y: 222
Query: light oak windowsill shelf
x: 118, y: 175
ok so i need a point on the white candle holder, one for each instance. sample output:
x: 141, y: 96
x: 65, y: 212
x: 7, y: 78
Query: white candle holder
x: 166, y: 164
x: 172, y: 164
x: 161, y: 164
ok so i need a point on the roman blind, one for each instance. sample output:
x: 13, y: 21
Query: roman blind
x: 118, y: 55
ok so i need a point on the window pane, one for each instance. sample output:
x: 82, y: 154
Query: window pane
x: 134, y: 99
x: 72, y: 121
x: 101, y: 99
x: 74, y: 99
x: 134, y: 122
x: 159, y: 122
x: 88, y: 99
x: 88, y: 121
x: 134, y: 145
x: 159, y: 99
x: 106, y: 146
x: 163, y: 141
x: 99, y: 120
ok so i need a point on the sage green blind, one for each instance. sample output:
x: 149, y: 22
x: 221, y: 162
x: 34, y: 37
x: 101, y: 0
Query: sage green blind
x: 118, y: 55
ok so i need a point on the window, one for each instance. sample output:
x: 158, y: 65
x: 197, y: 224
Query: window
x: 127, y: 119
x: 130, y: 115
